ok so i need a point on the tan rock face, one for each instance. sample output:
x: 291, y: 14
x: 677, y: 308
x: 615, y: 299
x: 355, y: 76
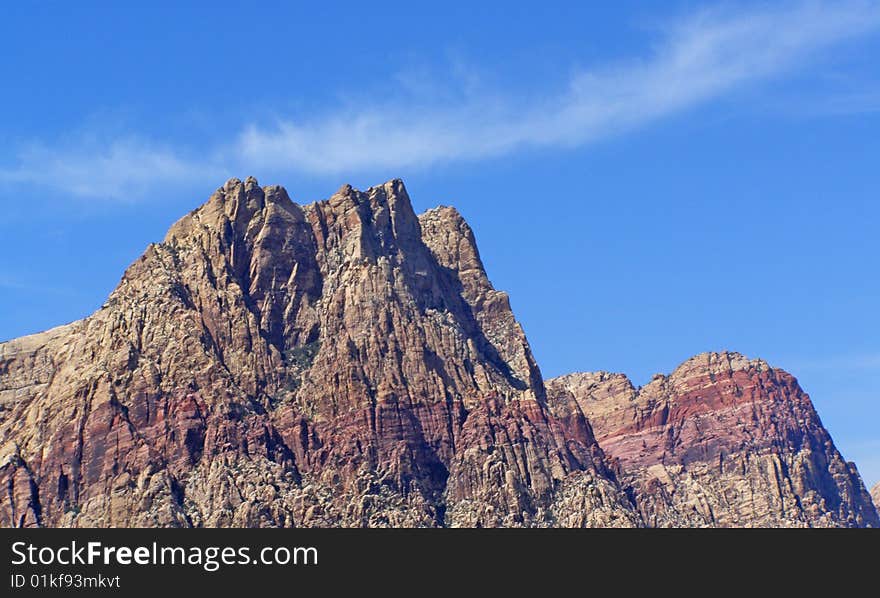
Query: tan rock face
x: 722, y: 441
x: 269, y: 364
x: 875, y: 495
x: 348, y: 363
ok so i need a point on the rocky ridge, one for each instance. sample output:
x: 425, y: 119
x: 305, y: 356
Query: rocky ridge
x: 348, y: 363
x: 344, y: 363
x: 722, y: 441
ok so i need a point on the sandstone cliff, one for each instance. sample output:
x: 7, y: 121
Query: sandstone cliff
x: 344, y: 363
x: 722, y: 441
x: 348, y: 363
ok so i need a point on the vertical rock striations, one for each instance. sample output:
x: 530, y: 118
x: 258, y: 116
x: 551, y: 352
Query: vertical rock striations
x: 722, y: 441
x: 348, y: 363
x: 270, y: 364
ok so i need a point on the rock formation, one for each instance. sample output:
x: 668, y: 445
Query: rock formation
x: 348, y: 363
x: 875, y: 495
x: 345, y: 363
x: 722, y: 441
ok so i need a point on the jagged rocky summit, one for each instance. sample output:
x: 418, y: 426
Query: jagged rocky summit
x: 348, y: 363
x: 722, y: 441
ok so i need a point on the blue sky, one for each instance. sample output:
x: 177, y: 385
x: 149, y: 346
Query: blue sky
x: 647, y: 181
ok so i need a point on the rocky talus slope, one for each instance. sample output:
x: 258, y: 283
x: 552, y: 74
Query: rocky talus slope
x: 722, y: 441
x: 344, y: 363
x: 348, y: 363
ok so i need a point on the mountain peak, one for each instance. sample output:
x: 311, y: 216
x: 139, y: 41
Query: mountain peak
x: 721, y: 421
x: 348, y: 363
x: 335, y: 353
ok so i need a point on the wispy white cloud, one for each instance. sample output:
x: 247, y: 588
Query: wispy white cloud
x: 696, y: 59
x: 700, y: 58
x: 118, y: 169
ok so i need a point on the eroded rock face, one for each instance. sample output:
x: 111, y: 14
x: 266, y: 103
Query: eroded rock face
x: 722, y: 441
x: 875, y: 495
x: 344, y: 363
x: 348, y: 363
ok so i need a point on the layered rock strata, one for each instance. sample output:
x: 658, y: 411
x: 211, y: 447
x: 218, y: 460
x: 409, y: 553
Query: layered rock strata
x: 343, y: 363
x: 348, y: 363
x: 722, y: 441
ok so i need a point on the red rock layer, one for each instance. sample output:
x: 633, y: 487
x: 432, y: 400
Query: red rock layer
x: 347, y: 363
x: 342, y: 363
x: 724, y: 440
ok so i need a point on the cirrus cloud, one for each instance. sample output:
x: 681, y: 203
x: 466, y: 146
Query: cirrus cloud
x: 696, y: 59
